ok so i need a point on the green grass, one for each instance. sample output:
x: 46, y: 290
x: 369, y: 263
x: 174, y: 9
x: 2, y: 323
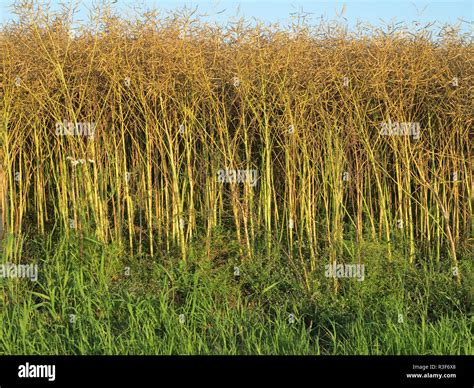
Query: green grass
x: 140, y: 313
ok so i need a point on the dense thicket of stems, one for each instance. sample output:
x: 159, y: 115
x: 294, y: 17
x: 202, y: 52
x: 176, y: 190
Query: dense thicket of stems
x: 175, y: 101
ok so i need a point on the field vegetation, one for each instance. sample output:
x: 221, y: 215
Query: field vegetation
x: 113, y: 135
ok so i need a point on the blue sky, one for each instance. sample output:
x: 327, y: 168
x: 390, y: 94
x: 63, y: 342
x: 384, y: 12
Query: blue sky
x: 372, y: 11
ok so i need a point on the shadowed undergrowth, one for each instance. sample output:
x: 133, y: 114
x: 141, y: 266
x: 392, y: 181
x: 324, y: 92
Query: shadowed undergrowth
x: 92, y: 298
